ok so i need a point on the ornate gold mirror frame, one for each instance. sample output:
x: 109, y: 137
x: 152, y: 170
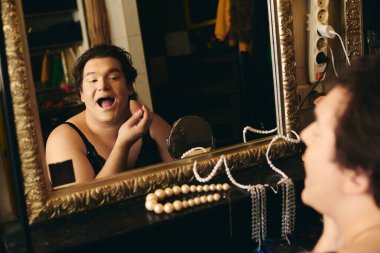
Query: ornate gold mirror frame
x: 43, y: 203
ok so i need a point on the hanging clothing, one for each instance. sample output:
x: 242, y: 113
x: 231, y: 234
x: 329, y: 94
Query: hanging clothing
x: 46, y: 69
x: 241, y: 22
x: 57, y: 73
x: 223, y: 20
x: 98, y: 24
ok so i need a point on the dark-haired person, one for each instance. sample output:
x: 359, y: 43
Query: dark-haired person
x: 113, y: 133
x: 342, y: 162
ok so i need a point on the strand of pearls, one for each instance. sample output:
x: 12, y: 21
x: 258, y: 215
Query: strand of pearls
x: 254, y: 130
x: 258, y: 192
x: 192, y: 150
x: 152, y: 200
x: 288, y: 139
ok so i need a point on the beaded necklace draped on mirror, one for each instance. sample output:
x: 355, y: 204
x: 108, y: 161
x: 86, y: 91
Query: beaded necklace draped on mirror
x: 148, y: 154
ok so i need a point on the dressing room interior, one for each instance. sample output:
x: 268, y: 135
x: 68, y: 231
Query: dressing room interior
x: 192, y: 110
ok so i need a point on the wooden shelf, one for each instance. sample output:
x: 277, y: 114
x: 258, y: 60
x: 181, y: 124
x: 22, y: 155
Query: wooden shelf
x: 49, y: 13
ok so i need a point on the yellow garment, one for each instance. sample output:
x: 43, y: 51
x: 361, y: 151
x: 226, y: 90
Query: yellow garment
x: 243, y: 46
x: 45, y: 69
x: 223, y: 20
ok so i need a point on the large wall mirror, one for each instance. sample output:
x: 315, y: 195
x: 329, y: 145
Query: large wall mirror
x: 194, y: 68
x: 45, y: 203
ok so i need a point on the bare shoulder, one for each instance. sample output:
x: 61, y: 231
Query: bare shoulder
x: 64, y: 133
x: 369, y: 244
x: 62, y: 141
x: 159, y: 127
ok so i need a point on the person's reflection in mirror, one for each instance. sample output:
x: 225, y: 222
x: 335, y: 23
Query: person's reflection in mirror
x: 114, y: 133
x: 342, y: 161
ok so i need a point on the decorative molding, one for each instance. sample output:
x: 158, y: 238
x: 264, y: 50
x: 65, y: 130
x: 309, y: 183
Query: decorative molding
x: 34, y: 184
x: 288, y: 62
x: 353, y: 28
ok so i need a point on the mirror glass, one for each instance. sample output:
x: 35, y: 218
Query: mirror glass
x: 44, y: 204
x: 190, y: 134
x: 228, y: 81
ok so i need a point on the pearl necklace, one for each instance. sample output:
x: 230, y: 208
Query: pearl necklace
x: 152, y: 199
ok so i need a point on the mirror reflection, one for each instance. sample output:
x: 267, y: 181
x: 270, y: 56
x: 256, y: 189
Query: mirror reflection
x: 190, y: 135
x: 192, y: 68
x: 114, y: 133
x: 210, y: 60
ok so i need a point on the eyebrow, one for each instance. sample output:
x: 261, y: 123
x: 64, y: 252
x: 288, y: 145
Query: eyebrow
x: 107, y: 72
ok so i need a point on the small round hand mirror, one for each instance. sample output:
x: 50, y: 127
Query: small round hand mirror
x: 190, y: 132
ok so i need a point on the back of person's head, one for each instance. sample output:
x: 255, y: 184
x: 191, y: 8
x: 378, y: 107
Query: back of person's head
x: 102, y: 51
x: 358, y: 128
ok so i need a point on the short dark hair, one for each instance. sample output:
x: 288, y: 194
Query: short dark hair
x: 101, y: 51
x: 358, y: 129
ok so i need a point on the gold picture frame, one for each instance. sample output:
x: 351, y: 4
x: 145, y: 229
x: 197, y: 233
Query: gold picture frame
x: 44, y: 204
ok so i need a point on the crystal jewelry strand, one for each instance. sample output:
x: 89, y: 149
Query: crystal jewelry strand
x: 263, y: 212
x: 256, y: 131
x: 293, y: 205
x: 258, y: 217
x: 283, y: 211
x: 287, y: 186
x: 288, y: 208
x: 255, y: 215
x: 290, y: 203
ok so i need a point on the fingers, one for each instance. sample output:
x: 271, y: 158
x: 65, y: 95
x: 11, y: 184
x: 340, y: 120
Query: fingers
x: 141, y: 119
x: 136, y: 118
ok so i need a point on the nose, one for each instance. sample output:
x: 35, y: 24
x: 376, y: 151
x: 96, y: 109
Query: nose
x: 102, y: 84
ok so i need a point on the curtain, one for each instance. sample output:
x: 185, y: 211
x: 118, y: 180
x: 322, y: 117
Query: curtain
x: 97, y: 22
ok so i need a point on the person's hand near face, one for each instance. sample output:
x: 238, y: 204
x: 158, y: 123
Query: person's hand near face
x: 135, y: 127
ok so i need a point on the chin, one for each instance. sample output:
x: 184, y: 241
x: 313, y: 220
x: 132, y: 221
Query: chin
x: 311, y: 201
x: 305, y: 196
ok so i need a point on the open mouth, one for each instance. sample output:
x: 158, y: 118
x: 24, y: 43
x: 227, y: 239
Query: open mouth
x: 106, y: 102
